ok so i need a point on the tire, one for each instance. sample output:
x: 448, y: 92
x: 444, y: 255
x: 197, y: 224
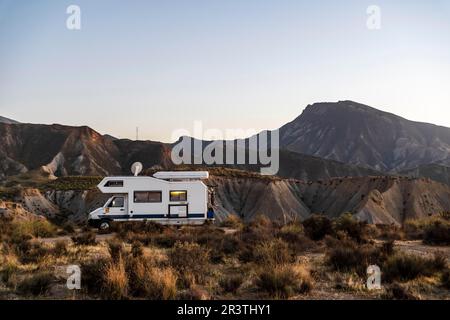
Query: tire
x: 104, y: 226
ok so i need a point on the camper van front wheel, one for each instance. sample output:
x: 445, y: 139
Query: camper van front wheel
x: 104, y: 225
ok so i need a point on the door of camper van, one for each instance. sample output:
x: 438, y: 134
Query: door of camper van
x: 116, y: 207
x: 178, y: 205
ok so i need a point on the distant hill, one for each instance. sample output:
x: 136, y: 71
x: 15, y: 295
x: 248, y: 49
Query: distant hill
x: 357, y: 134
x: 6, y: 120
x: 433, y: 171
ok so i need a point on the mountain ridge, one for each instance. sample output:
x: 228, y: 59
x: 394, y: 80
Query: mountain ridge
x: 357, y: 134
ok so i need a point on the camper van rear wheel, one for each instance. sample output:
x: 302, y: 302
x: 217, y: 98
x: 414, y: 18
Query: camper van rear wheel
x: 104, y: 225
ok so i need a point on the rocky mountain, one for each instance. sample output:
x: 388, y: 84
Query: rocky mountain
x: 6, y: 120
x: 61, y: 150
x: 376, y: 199
x: 65, y: 150
x: 357, y: 134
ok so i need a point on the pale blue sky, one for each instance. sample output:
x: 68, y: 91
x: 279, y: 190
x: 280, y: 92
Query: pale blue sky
x: 161, y: 65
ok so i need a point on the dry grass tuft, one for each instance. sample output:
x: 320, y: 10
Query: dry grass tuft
x: 285, y: 281
x: 115, y: 285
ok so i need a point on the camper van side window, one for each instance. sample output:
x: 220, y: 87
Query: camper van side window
x: 117, y: 202
x: 178, y: 195
x: 147, y: 196
x: 114, y: 183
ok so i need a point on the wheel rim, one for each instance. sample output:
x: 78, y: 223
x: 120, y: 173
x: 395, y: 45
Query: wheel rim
x: 104, y: 225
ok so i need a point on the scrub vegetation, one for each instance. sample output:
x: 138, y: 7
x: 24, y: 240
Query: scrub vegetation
x: 318, y: 258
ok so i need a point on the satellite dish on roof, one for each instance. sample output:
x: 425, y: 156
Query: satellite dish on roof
x: 136, y: 168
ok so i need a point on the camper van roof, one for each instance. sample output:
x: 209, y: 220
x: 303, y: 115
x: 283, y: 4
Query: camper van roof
x: 181, y: 175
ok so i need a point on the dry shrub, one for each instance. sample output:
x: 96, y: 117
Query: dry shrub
x: 194, y: 293
x: 148, y: 227
x: 211, y: 238
x: 151, y: 282
x: 258, y: 231
x: 144, y: 232
x: 92, y: 274
x: 232, y: 221
x: 349, y: 282
x: 317, y: 227
x: 293, y: 235
x: 116, y: 250
x: 86, y: 238
x: 36, y: 228
x: 68, y: 227
x: 284, y: 281
x: 231, y: 283
x: 137, y: 250
x: 291, y: 231
x: 273, y: 253
x: 60, y: 248
x: 189, y: 256
x: 437, y: 233
x: 115, y: 286
x: 445, y: 279
x: 390, y: 232
x: 355, y: 229
x: 37, y: 284
x: 347, y: 255
x: 404, y: 267
x: 396, y: 291
x: 231, y: 244
x: 33, y: 251
x: 8, y: 273
x: 161, y: 284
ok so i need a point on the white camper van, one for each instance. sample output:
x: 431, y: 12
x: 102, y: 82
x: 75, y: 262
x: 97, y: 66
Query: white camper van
x: 169, y: 197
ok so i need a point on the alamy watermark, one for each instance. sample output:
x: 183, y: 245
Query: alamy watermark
x: 217, y: 147
x: 374, y: 277
x: 374, y: 17
x: 74, y: 279
x: 73, y: 21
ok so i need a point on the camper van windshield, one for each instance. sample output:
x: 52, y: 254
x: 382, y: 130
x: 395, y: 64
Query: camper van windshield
x: 117, y: 202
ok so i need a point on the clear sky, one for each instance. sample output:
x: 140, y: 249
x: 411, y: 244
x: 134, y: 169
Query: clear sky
x: 161, y: 65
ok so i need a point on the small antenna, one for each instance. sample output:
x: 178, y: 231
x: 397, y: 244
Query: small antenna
x: 137, y: 133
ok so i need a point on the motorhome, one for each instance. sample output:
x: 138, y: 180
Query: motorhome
x: 169, y: 197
